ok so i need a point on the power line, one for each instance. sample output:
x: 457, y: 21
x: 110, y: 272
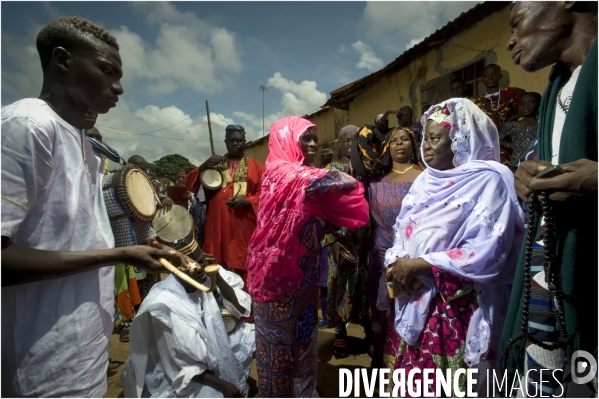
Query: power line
x: 216, y: 113
x: 159, y: 130
x: 165, y: 138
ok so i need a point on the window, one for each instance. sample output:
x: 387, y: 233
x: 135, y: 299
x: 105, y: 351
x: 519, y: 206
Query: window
x: 437, y: 90
x: 473, y: 76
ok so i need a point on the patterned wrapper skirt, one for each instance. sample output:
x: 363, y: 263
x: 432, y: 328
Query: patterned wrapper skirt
x: 286, y: 345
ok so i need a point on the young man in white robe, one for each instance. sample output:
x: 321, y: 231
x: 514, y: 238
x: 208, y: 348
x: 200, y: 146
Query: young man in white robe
x: 180, y: 345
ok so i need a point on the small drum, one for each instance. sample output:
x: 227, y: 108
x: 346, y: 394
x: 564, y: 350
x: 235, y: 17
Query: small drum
x: 134, y: 193
x: 176, y: 229
x: 211, y: 179
x: 229, y: 319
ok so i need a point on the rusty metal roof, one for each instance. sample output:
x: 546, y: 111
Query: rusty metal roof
x: 461, y: 23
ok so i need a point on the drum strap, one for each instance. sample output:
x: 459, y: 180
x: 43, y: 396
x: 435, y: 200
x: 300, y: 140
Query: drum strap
x: 105, y: 150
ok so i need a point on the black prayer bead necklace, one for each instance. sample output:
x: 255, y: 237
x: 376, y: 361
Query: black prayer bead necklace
x: 551, y: 268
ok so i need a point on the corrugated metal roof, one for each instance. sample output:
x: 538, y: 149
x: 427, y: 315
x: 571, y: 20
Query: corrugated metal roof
x: 461, y: 23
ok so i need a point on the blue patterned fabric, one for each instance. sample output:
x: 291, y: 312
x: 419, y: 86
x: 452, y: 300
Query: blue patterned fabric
x: 198, y: 213
x: 286, y: 345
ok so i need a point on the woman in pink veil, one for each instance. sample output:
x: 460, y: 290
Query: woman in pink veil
x: 283, y: 253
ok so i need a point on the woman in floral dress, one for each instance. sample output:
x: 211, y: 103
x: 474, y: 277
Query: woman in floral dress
x: 459, y: 233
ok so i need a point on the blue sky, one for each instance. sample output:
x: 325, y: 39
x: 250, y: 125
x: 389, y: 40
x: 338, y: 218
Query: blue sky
x: 177, y: 55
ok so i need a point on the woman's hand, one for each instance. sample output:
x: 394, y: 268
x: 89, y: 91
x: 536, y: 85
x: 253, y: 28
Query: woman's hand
x: 405, y: 270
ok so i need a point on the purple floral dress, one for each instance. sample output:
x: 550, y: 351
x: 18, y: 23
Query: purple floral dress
x: 384, y: 199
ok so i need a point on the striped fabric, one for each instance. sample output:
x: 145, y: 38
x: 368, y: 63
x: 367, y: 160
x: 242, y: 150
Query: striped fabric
x: 542, y: 326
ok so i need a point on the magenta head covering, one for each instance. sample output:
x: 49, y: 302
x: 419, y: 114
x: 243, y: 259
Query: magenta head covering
x: 274, y: 249
x: 283, y: 141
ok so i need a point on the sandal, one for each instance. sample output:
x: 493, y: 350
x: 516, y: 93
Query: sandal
x: 114, y: 364
x: 340, y: 348
x: 124, y: 336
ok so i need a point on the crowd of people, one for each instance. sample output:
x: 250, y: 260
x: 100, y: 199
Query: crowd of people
x: 457, y: 241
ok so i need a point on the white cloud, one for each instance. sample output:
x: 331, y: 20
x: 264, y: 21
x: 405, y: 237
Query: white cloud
x: 414, y: 42
x: 189, y: 138
x: 403, y: 21
x: 26, y: 80
x: 188, y: 52
x: 368, y: 58
x: 296, y: 99
x: 342, y: 49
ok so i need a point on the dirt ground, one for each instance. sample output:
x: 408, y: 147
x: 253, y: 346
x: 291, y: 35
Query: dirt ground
x: 328, y: 366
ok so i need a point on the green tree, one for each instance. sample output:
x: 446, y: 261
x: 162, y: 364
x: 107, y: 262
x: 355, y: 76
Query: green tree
x: 168, y: 165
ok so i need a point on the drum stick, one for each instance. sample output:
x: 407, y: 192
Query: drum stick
x: 211, y: 272
x: 168, y: 266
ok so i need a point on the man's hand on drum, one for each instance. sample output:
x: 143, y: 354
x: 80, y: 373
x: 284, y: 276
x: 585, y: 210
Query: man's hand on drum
x: 212, y: 162
x: 167, y: 204
x: 237, y: 202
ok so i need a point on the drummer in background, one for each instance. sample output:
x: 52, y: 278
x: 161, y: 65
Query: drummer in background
x: 57, y: 244
x: 231, y: 214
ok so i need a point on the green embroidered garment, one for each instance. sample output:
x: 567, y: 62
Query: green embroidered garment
x: 576, y: 220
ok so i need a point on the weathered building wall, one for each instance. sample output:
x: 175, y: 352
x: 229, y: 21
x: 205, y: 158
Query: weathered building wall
x: 485, y: 40
x: 258, y: 150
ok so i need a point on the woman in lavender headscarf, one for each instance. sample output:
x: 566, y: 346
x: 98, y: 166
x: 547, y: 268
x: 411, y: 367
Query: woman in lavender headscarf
x: 458, y: 233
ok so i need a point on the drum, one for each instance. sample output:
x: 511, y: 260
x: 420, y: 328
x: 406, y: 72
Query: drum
x: 211, y: 179
x: 134, y: 193
x: 229, y: 320
x: 176, y: 229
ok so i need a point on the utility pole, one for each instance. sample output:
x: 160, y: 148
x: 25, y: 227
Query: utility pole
x: 263, y: 89
x: 209, y: 128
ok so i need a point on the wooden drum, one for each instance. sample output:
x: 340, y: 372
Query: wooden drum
x: 211, y: 179
x: 129, y: 192
x: 176, y: 229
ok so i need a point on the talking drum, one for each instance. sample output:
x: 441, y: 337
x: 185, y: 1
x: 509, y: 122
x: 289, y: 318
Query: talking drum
x: 211, y: 179
x: 229, y: 319
x: 176, y: 229
x: 129, y: 192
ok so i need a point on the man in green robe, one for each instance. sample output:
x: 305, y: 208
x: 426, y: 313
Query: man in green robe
x: 562, y: 34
